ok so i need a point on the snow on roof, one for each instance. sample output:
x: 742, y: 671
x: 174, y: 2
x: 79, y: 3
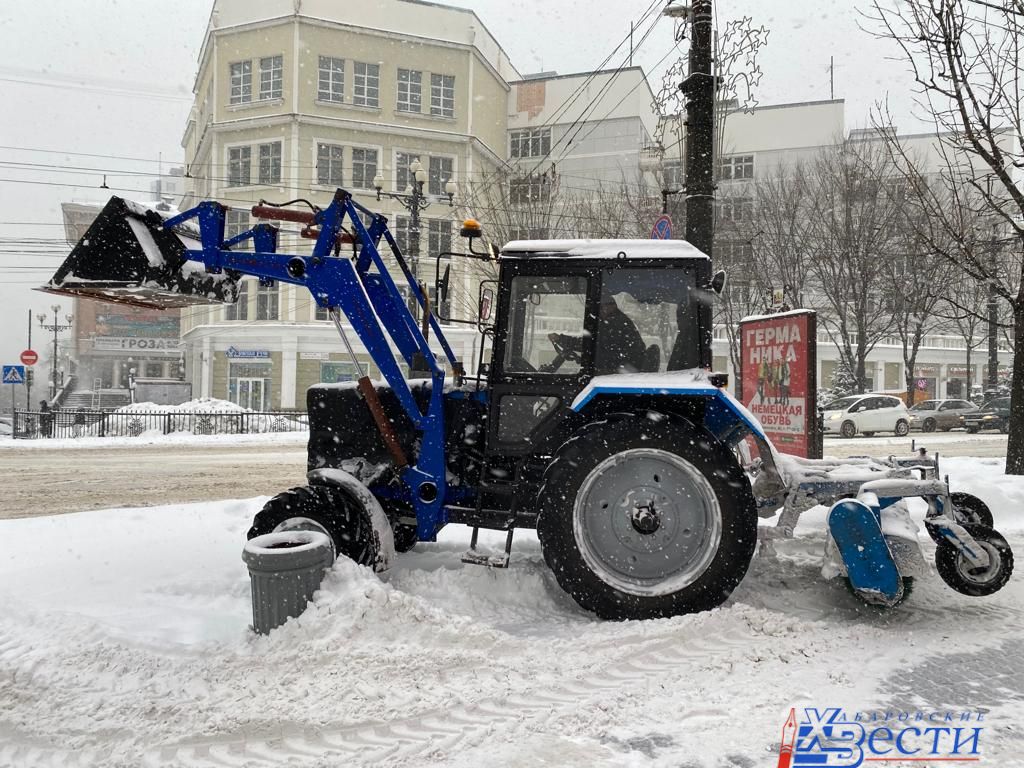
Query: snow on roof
x: 777, y: 315
x: 604, y: 249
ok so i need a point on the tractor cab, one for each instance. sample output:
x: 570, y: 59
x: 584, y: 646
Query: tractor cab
x: 572, y: 310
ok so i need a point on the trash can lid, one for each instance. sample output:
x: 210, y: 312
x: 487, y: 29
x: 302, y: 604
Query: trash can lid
x: 287, y: 550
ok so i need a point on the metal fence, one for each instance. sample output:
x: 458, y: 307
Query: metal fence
x: 94, y: 423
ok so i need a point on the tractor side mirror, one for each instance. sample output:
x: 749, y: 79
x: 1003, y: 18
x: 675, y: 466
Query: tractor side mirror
x: 718, y: 282
x: 442, y: 286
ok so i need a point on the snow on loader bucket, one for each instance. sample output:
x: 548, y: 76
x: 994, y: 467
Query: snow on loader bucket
x: 128, y: 257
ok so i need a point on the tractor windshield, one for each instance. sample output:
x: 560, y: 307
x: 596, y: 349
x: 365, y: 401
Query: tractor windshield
x: 648, y: 321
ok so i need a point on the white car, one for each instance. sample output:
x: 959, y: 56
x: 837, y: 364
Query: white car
x: 866, y: 414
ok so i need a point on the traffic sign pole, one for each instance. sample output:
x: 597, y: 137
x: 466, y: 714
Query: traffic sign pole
x: 28, y: 381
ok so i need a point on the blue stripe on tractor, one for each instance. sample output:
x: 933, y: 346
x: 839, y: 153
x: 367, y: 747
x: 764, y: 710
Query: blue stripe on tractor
x: 719, y: 419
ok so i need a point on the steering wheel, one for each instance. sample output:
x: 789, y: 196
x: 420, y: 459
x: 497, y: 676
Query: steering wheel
x: 563, y: 352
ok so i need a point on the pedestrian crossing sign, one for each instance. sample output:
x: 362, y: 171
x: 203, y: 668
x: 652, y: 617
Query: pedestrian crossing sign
x: 14, y: 374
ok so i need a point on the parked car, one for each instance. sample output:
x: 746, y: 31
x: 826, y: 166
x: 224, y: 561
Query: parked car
x: 939, y: 414
x: 995, y: 414
x: 866, y: 414
x: 6, y: 426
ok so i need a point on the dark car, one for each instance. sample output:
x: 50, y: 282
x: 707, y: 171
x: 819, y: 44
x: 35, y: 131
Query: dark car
x: 940, y: 414
x: 995, y: 414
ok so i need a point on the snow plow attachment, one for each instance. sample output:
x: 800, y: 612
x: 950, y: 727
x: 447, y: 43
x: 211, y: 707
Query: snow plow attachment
x: 128, y: 257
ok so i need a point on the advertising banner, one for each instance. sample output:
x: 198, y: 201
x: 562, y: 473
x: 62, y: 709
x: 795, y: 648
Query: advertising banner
x: 779, y: 378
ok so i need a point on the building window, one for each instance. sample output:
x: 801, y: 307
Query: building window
x: 674, y: 174
x: 401, y: 233
x: 440, y: 171
x: 364, y: 168
x: 335, y: 373
x: 322, y: 313
x: 528, y: 233
x: 331, y: 83
x: 736, y: 167
x: 439, y: 236
x: 235, y: 223
x: 239, y: 165
x: 529, y: 189
x: 403, y: 176
x: 532, y: 142
x: 267, y: 302
x: 737, y: 209
x: 240, y: 309
x: 271, y: 77
x: 442, y: 95
x: 367, y: 85
x: 241, y: 82
x: 270, y: 163
x: 737, y: 253
x: 328, y: 165
x: 410, y: 90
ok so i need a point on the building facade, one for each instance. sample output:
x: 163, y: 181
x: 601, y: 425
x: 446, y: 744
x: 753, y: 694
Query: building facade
x: 295, y: 98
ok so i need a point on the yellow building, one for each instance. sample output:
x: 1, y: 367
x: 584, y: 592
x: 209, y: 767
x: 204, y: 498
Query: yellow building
x: 295, y: 98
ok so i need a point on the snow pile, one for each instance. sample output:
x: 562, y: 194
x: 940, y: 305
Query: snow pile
x: 205, y: 416
x: 124, y: 643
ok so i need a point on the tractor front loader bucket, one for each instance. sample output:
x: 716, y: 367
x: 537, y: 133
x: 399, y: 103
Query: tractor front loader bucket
x: 128, y: 257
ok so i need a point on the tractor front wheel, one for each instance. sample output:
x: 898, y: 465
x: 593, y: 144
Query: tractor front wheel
x: 325, y: 509
x: 642, y: 519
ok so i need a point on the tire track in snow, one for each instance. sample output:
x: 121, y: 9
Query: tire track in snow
x: 436, y: 732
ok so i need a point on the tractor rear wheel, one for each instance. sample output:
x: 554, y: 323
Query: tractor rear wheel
x: 643, y: 519
x: 326, y: 509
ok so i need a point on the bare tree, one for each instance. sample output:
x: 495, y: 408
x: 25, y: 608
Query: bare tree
x: 851, y: 224
x: 918, y: 282
x: 965, y: 58
x: 960, y: 306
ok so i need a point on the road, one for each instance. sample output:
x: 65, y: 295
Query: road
x: 40, y: 481
x: 986, y: 445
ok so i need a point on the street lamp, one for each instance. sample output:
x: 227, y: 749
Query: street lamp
x: 414, y: 201
x: 56, y: 327
x: 653, y: 161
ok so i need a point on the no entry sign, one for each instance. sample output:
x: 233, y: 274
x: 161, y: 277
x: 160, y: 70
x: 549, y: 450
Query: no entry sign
x: 29, y: 357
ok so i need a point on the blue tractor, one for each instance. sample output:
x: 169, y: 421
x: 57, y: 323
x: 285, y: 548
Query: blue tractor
x: 592, y: 418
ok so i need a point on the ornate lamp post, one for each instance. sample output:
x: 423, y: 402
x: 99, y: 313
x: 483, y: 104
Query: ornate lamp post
x: 56, y: 327
x: 414, y: 201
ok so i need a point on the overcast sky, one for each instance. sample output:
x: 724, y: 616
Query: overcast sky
x: 113, y: 79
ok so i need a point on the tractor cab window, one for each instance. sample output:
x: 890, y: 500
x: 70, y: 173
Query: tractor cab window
x: 542, y: 309
x: 648, y: 321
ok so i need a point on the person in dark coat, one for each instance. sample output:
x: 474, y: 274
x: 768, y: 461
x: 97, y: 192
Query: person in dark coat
x: 45, y: 419
x: 620, y: 347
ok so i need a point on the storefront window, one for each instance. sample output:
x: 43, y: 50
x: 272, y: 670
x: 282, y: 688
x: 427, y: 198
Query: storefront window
x: 249, y: 385
x: 332, y: 373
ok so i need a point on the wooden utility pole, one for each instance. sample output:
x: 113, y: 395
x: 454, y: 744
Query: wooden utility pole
x: 699, y: 90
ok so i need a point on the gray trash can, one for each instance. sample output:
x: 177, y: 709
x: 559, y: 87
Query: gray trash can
x: 285, y: 569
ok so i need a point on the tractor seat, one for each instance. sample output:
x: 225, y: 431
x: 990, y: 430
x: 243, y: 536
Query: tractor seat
x: 652, y: 359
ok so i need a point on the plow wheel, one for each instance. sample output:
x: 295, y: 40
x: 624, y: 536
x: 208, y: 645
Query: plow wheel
x: 642, y: 519
x: 325, y: 509
x: 976, y: 582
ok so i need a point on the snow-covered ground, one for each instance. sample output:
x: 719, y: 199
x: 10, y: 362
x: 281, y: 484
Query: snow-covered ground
x: 125, y: 643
